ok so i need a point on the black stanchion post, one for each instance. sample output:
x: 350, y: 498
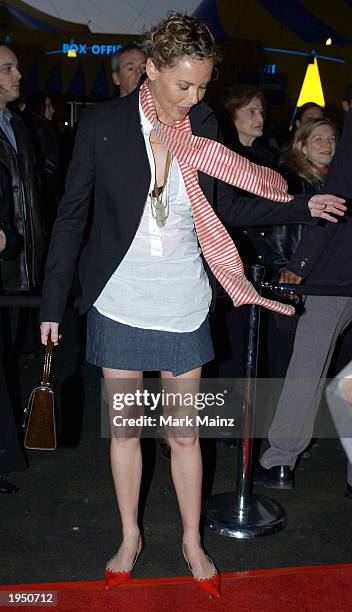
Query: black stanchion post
x: 243, y: 486
x: 241, y: 514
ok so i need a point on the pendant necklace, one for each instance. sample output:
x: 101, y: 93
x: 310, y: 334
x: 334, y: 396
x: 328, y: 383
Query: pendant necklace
x: 160, y: 209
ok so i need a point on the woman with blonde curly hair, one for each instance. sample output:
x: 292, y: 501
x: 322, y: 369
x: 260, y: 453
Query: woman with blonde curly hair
x: 155, y: 247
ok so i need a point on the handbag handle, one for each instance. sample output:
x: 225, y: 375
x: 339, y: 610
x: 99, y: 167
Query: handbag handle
x: 47, y: 361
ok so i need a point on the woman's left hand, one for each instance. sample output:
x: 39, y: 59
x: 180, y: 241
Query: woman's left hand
x: 321, y: 205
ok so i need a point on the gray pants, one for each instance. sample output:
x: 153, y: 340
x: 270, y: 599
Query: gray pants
x: 323, y: 320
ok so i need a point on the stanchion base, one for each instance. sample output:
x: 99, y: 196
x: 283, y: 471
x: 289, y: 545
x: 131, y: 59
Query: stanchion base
x: 264, y: 516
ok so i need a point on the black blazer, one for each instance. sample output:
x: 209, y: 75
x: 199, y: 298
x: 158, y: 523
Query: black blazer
x: 323, y: 256
x: 110, y: 157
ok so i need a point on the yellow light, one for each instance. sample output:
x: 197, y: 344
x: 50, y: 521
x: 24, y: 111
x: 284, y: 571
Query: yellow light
x: 311, y: 90
x: 71, y: 53
x: 328, y: 42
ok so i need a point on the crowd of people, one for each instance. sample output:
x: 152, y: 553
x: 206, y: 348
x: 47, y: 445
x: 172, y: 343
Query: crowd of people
x: 165, y: 218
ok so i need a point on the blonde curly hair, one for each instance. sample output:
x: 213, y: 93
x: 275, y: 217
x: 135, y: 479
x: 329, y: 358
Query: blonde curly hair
x: 176, y: 36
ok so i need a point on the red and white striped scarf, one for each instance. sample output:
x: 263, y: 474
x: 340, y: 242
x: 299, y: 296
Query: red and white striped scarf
x: 196, y: 153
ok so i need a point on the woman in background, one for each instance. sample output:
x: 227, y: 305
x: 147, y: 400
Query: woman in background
x: 304, y: 169
x: 241, y: 115
x: 306, y: 112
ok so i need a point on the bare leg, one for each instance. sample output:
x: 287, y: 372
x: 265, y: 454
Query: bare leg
x: 186, y: 470
x: 126, y: 467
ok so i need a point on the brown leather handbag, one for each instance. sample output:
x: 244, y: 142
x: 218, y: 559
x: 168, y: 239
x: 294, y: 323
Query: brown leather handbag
x: 39, y: 422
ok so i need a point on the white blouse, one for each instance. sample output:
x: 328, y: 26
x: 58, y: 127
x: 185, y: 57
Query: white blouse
x: 161, y: 283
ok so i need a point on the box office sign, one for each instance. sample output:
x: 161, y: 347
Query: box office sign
x: 75, y: 49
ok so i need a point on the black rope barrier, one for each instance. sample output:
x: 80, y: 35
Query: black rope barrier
x: 290, y: 288
x: 32, y: 301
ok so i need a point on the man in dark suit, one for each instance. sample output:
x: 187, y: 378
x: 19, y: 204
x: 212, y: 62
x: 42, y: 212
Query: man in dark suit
x: 24, y: 272
x: 323, y: 257
x: 16, y: 154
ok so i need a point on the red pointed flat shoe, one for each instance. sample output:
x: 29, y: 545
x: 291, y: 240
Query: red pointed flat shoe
x: 211, y: 586
x: 116, y: 578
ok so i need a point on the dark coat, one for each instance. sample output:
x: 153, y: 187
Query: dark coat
x: 14, y: 241
x: 11, y: 455
x: 283, y: 240
x: 46, y: 149
x: 25, y: 271
x: 110, y: 158
x: 323, y: 256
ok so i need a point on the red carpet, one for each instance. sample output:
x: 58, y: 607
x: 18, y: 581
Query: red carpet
x: 325, y: 588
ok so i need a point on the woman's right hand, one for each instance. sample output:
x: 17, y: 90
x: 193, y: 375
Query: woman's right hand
x: 48, y: 327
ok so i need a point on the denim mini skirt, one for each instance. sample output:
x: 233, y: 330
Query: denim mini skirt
x: 111, y: 344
